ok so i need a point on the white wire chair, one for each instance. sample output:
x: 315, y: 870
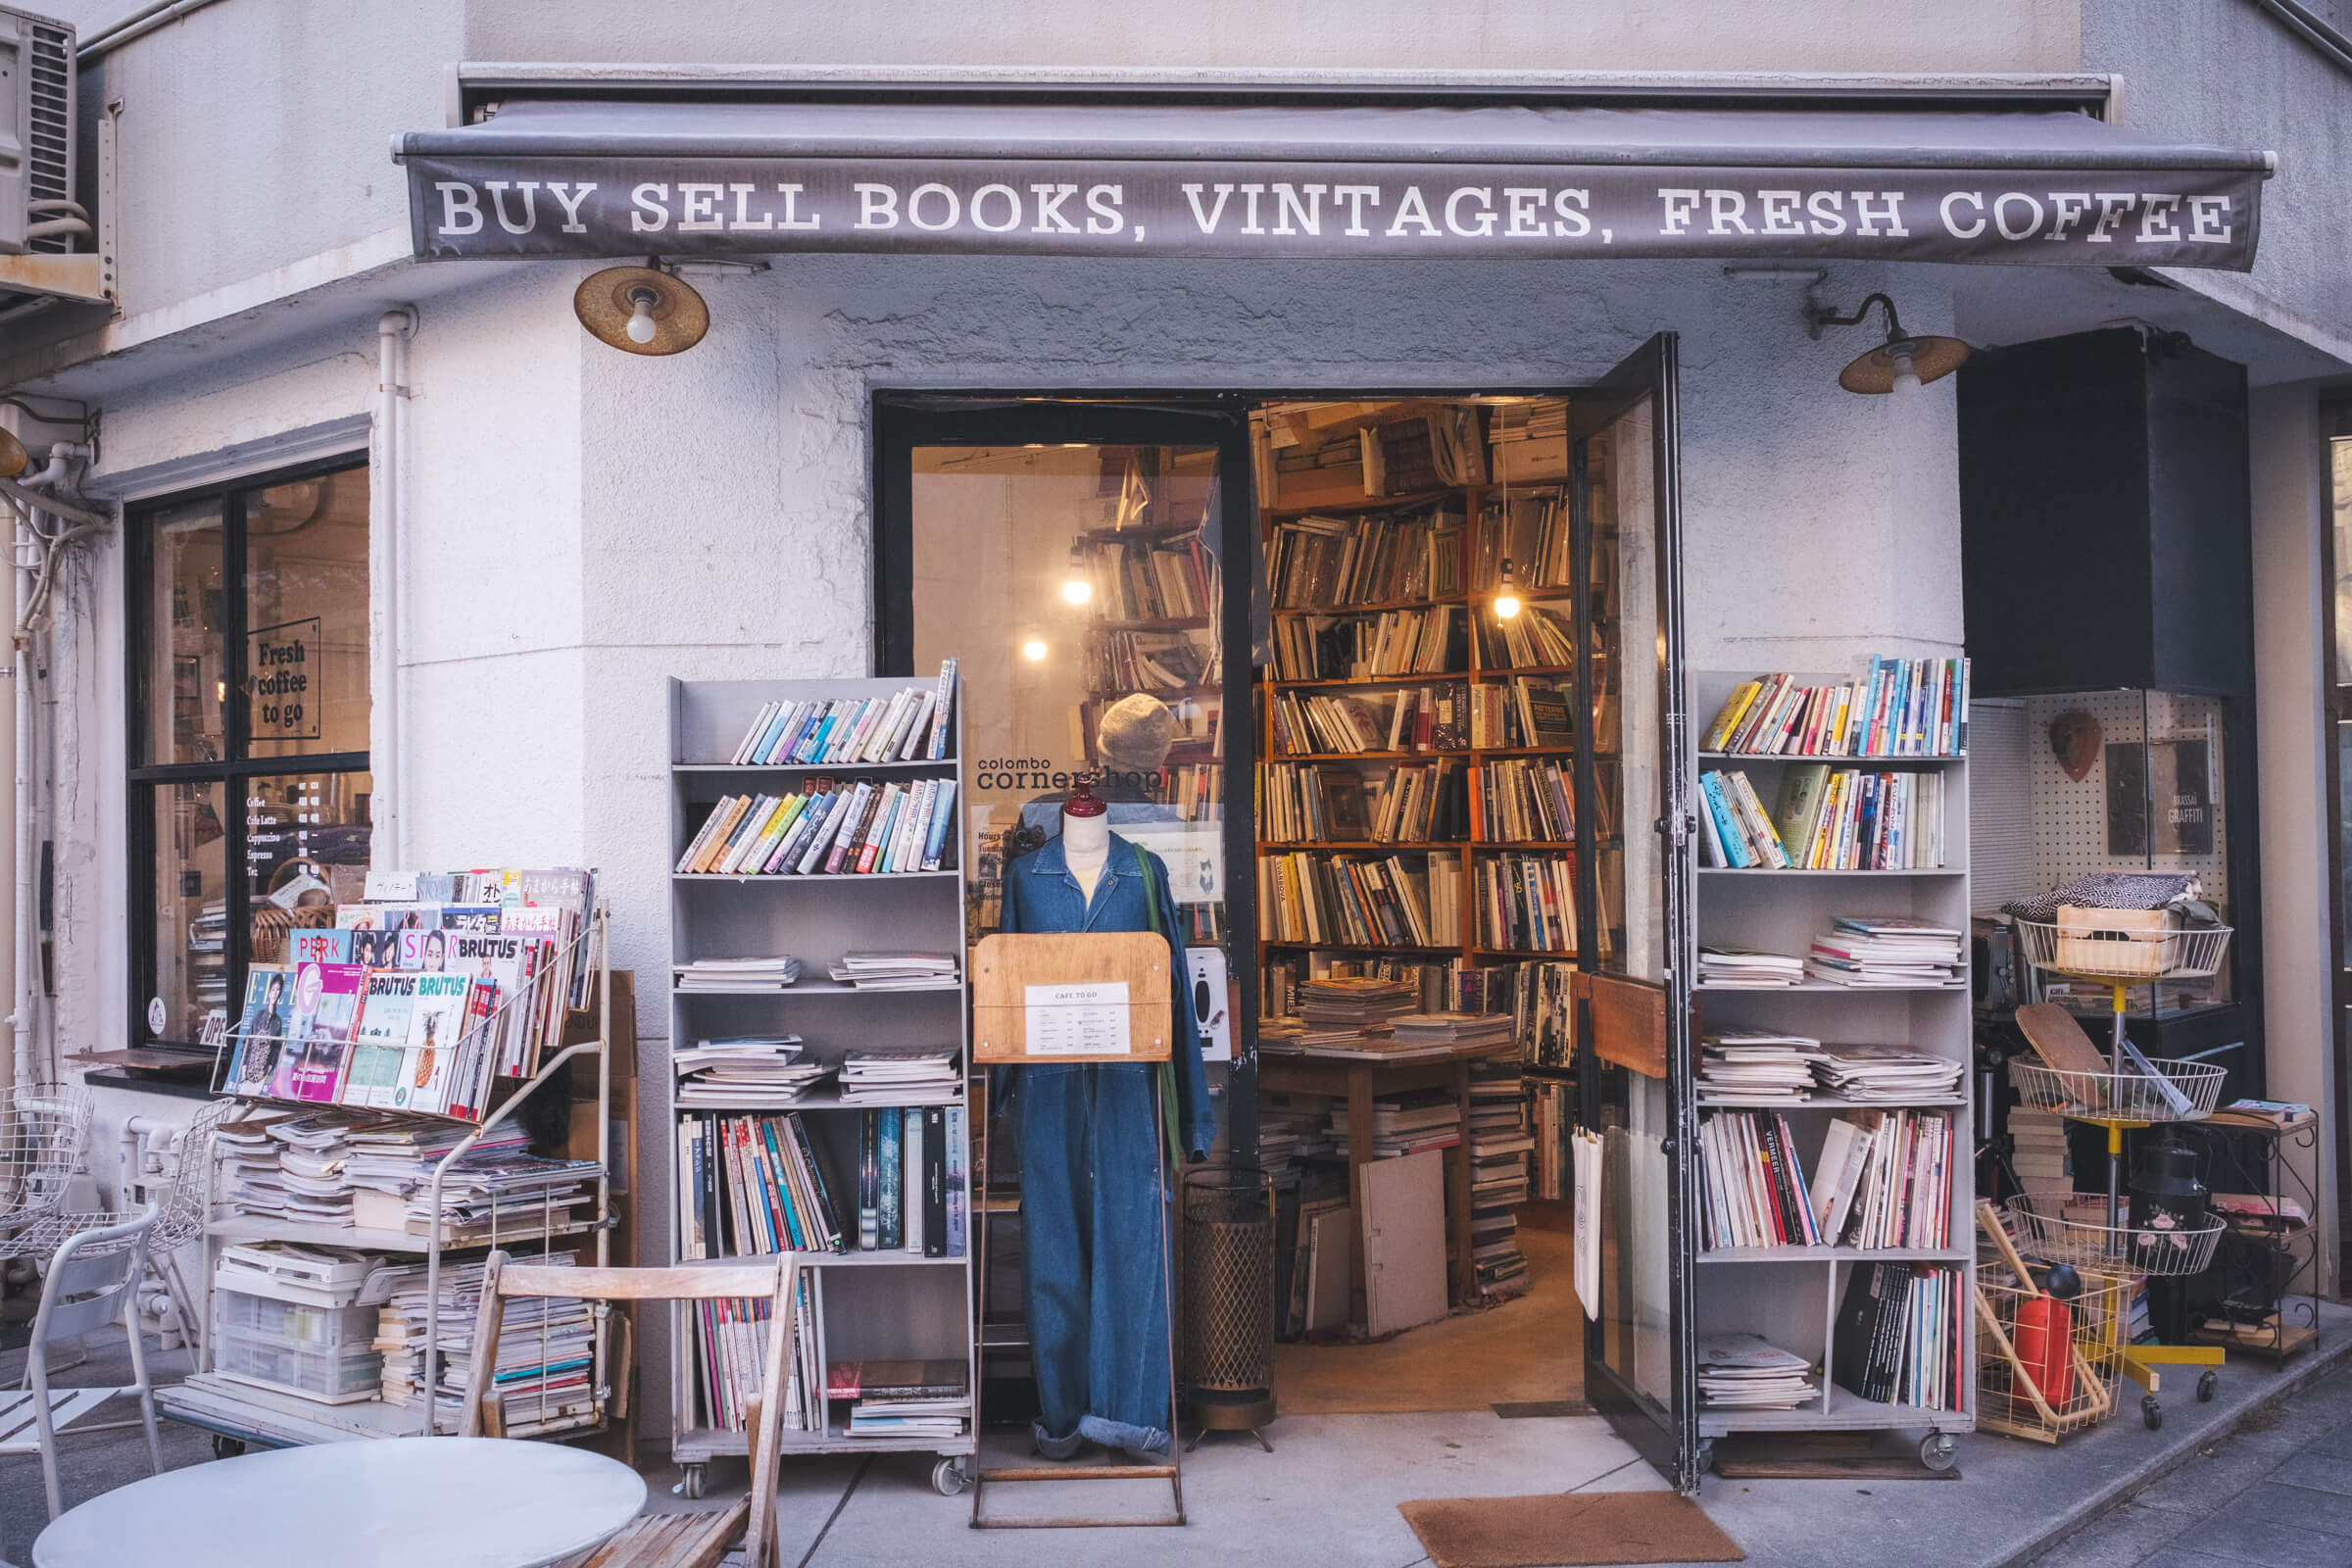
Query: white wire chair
x: 182, y: 1201
x: 44, y: 1136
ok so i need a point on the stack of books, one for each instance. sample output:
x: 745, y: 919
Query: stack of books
x: 897, y: 1076
x: 1292, y: 1128
x: 910, y: 725
x: 1455, y: 1029
x: 724, y: 975
x: 1902, y: 707
x: 1405, y: 1123
x: 1748, y: 969
x: 896, y: 971
x: 830, y: 828
x: 2039, y: 1157
x: 1755, y: 1067
x: 1499, y: 1146
x: 750, y: 1071
x: 903, y: 1399
x: 1752, y: 1185
x: 1342, y: 1010
x: 1860, y: 950
x: 1885, y: 1075
x: 1745, y: 1372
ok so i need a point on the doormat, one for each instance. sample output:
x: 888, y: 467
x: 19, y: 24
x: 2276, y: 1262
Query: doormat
x: 1536, y: 1409
x: 1572, y: 1530
x: 1820, y: 1456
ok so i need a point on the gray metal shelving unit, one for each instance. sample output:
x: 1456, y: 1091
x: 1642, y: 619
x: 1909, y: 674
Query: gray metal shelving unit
x: 885, y: 1305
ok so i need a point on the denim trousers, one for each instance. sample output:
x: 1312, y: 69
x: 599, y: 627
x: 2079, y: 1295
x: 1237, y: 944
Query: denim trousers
x: 1092, y: 1272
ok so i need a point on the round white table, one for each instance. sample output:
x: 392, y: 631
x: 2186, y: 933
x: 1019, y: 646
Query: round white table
x: 393, y: 1502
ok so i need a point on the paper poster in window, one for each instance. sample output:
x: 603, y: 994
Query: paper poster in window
x: 2160, y: 798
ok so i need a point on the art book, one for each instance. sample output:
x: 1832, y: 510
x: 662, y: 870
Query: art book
x: 437, y: 1017
x: 326, y: 1017
x: 376, y: 1055
x: 262, y: 1027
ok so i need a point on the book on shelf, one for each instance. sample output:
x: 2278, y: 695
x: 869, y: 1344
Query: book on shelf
x: 832, y: 828
x: 1380, y: 557
x: 1517, y: 800
x: 777, y: 973
x: 1427, y: 717
x: 1530, y: 529
x: 1405, y: 1123
x: 1841, y: 819
x: 1897, y: 1336
x: 748, y: 1072
x: 1347, y: 900
x: 1748, y: 969
x: 1884, y: 1179
x: 1525, y: 712
x: 1752, y: 1185
x: 1387, y: 644
x: 896, y: 971
x: 1526, y: 901
x: 872, y: 1074
x: 1408, y: 802
x: 1900, y: 708
x: 730, y: 1339
x: 908, y: 725
x: 903, y: 1399
x: 1168, y: 578
x: 1537, y: 637
x: 1120, y: 659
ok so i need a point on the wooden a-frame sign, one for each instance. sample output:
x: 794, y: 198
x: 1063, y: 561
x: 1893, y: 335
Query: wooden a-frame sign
x: 1072, y: 997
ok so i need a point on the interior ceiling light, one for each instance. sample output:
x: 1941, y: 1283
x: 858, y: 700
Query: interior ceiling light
x: 641, y: 310
x: 14, y: 459
x: 1034, y: 650
x: 1903, y: 363
x: 1506, y: 598
x: 1076, y: 588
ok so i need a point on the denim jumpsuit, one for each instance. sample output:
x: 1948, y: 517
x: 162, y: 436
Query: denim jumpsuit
x: 1091, y: 1221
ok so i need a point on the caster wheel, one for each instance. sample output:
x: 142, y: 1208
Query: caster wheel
x: 1706, y: 1456
x: 693, y: 1482
x: 948, y: 1478
x: 2207, y: 1383
x: 226, y: 1448
x: 1938, y: 1450
x: 2151, y: 1412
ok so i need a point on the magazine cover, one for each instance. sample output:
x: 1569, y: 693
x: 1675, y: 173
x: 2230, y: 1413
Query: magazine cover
x: 504, y: 961
x: 326, y: 1016
x: 436, y: 1023
x: 260, y: 1028
x: 382, y: 1044
x: 321, y: 945
x: 421, y: 951
x: 479, y: 918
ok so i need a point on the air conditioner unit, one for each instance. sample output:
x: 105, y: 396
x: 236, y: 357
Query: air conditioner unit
x: 37, y: 210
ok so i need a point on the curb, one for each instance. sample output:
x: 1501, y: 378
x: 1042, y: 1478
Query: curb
x: 2323, y: 1358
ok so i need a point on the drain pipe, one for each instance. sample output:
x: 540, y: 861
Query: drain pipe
x: 389, y: 841
x: 22, y: 1003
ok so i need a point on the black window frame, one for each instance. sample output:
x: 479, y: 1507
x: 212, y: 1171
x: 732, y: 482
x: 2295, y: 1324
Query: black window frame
x: 237, y: 765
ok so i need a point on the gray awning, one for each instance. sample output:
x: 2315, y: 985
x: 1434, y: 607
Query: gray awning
x: 620, y: 178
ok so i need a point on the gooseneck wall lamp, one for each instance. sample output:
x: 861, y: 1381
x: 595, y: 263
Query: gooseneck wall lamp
x: 641, y: 310
x: 1903, y: 364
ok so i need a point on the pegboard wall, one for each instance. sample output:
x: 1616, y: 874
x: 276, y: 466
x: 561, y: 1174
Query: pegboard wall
x: 2000, y: 806
x: 2069, y: 818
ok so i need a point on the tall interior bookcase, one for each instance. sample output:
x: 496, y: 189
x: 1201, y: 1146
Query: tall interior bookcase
x: 890, y: 1306
x: 1790, y: 1295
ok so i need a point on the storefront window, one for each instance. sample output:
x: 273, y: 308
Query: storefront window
x: 249, y: 647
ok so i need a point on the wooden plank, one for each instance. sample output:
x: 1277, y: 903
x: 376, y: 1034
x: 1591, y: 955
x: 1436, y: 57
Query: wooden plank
x: 1628, y: 1023
x: 2059, y: 1040
x: 482, y: 1367
x: 1004, y: 966
x: 687, y: 1282
x: 1084, y: 1471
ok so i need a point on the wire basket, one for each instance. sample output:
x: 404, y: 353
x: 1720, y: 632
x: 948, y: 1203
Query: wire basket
x: 2027, y: 1385
x: 2071, y: 1228
x: 2177, y: 1090
x: 44, y: 1133
x: 2123, y: 945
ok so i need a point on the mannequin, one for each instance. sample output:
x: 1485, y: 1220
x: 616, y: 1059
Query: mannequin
x: 1086, y: 838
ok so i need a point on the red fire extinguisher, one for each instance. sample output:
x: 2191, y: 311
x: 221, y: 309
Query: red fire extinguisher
x: 2046, y: 1332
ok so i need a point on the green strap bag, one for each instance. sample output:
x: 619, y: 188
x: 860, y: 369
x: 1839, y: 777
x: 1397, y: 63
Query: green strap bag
x: 1170, y: 1131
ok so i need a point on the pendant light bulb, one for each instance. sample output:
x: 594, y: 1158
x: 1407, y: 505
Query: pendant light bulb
x: 1075, y: 588
x: 1034, y: 650
x: 641, y: 315
x: 1906, y: 378
x: 1506, y: 598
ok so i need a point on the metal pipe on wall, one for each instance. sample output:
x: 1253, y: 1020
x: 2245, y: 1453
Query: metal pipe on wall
x: 389, y: 842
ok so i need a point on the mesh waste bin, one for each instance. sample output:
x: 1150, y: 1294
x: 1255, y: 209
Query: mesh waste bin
x: 1229, y: 1298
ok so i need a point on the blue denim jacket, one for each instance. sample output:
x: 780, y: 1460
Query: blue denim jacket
x: 1041, y: 894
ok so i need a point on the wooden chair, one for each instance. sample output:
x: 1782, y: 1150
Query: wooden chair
x: 661, y: 1541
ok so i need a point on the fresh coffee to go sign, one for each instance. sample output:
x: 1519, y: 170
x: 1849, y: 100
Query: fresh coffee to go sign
x: 281, y: 671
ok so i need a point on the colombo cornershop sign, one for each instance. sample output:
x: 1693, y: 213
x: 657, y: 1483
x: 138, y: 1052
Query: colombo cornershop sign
x: 560, y: 206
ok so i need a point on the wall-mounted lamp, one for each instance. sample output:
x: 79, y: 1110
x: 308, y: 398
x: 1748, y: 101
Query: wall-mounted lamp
x: 14, y: 459
x: 1076, y: 587
x: 1506, y: 597
x: 641, y: 310
x: 1901, y: 364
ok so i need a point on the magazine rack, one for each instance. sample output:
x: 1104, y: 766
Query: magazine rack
x: 1056, y: 999
x: 238, y: 1414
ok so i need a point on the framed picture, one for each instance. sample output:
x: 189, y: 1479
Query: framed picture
x: 2160, y: 798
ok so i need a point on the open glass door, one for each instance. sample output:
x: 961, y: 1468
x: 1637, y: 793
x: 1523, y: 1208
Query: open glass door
x: 1634, y: 1050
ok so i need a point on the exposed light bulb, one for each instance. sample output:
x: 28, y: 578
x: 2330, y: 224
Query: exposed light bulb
x: 1034, y: 651
x: 641, y: 315
x: 1506, y: 598
x: 1906, y: 380
x: 1077, y: 590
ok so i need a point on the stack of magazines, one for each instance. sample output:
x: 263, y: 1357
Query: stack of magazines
x: 1745, y: 1372
x: 544, y: 1372
x: 896, y: 971
x: 738, y: 974
x: 1885, y: 1074
x: 1747, y: 969
x: 753, y: 1072
x: 899, y: 1076
x: 1868, y: 950
x: 1756, y: 1068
